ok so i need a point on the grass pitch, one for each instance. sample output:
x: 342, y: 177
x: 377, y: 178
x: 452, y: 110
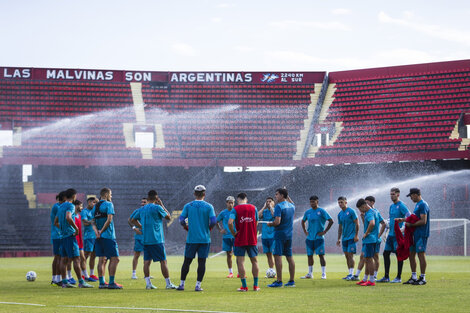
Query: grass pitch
x: 448, y: 289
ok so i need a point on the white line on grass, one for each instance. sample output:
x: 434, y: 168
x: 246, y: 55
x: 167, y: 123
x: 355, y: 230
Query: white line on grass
x: 130, y: 308
x: 18, y: 303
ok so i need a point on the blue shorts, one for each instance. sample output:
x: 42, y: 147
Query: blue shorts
x: 138, y: 245
x: 155, y: 252
x: 377, y: 247
x: 69, y: 247
x: 349, y: 246
x: 268, y: 245
x: 368, y: 249
x: 57, y: 246
x: 316, y: 246
x: 89, y: 245
x: 420, y: 244
x: 391, y: 244
x: 106, y: 247
x: 202, y: 250
x: 227, y: 244
x: 252, y: 251
x: 283, y: 247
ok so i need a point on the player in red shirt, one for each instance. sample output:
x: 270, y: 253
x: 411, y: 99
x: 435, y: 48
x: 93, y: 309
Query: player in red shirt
x: 245, y: 217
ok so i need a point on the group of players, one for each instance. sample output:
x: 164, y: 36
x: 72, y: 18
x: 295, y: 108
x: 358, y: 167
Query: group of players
x: 239, y: 229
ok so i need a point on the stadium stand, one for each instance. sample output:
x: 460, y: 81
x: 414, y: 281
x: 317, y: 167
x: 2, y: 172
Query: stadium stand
x: 82, y: 122
x: 78, y: 129
x: 397, y: 111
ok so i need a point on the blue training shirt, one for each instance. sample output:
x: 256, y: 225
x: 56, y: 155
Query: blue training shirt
x: 397, y: 210
x: 422, y: 207
x: 381, y: 219
x: 224, y: 216
x: 151, y: 217
x: 55, y: 231
x: 267, y: 232
x: 88, y: 232
x: 65, y: 228
x: 370, y: 216
x: 136, y: 235
x: 286, y: 211
x: 107, y: 208
x: 198, y: 213
x: 346, y: 219
x: 316, y: 222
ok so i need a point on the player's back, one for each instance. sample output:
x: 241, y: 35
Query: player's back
x: 151, y: 216
x: 246, y: 222
x: 65, y: 228
x: 198, y: 213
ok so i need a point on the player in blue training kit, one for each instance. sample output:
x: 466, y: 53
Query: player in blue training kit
x: 138, y: 241
x: 266, y: 214
x: 105, y: 244
x: 56, y: 241
x: 227, y: 239
x: 370, y: 200
x: 315, y: 243
x: 89, y: 236
x: 149, y: 218
x: 65, y: 220
x: 420, y: 237
x: 348, y: 230
x: 201, y: 219
x: 283, y: 226
x: 398, y: 210
x: 369, y: 240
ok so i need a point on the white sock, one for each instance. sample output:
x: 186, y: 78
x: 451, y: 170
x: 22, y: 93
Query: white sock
x: 85, y: 273
x: 310, y: 269
x: 198, y: 284
x: 271, y: 268
x: 92, y: 271
x: 372, y: 279
x: 69, y: 274
x: 230, y: 271
x: 60, y: 277
x: 168, y: 281
x: 182, y: 283
x: 351, y: 271
x: 375, y: 273
x: 413, y: 275
x: 423, y: 276
x: 323, y: 270
x: 366, y: 277
x: 148, y: 281
x: 54, y: 278
x: 358, y: 272
x: 133, y: 273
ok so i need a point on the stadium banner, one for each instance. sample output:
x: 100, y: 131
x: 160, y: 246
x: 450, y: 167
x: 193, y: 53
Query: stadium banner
x: 56, y: 74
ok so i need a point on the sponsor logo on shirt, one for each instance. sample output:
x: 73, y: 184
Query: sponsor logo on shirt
x: 318, y: 213
x: 246, y: 219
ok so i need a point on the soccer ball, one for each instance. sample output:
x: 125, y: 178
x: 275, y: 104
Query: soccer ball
x: 270, y: 273
x: 31, y: 276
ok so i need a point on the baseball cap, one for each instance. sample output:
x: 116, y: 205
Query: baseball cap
x: 230, y: 198
x: 200, y: 188
x: 414, y: 191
